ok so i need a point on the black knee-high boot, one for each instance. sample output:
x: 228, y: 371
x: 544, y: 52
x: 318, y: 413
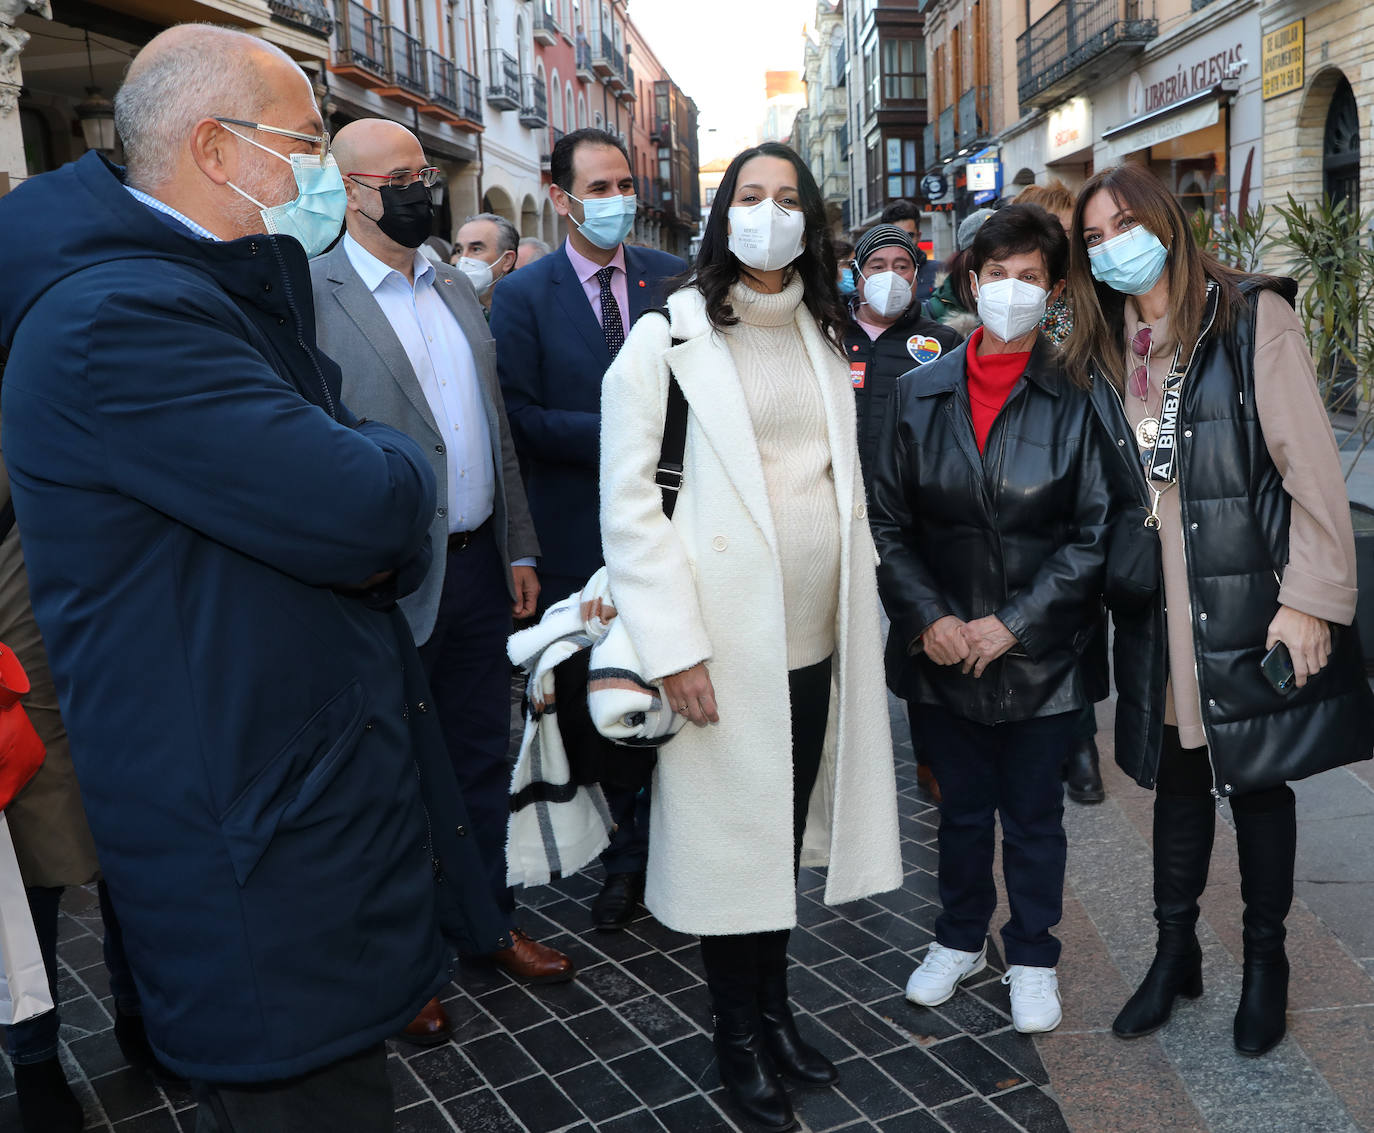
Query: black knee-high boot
x: 747, y: 1069
x: 1183, y: 830
x: 797, y: 1059
x: 1266, y: 842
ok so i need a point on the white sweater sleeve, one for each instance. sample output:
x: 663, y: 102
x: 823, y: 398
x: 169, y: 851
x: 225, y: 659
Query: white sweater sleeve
x: 647, y: 565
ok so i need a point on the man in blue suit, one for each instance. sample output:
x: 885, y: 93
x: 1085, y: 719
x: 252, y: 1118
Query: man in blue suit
x: 558, y: 323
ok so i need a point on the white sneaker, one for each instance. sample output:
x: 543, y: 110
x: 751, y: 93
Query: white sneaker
x: 941, y: 972
x: 1035, y: 1003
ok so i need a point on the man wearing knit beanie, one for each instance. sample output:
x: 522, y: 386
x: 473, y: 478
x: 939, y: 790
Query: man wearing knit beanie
x: 887, y: 336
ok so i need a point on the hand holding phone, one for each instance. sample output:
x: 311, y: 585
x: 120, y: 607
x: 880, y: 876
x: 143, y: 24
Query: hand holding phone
x: 1277, y: 667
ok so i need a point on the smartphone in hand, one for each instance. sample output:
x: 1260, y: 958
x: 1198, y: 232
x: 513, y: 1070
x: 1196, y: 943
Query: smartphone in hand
x: 1277, y: 667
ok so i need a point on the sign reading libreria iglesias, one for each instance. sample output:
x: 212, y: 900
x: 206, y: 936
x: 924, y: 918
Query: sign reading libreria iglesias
x: 1282, y: 60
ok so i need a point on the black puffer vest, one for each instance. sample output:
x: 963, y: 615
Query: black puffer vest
x: 1235, y: 516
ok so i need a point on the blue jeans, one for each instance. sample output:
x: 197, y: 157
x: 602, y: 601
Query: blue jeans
x: 1012, y: 771
x: 35, y: 1040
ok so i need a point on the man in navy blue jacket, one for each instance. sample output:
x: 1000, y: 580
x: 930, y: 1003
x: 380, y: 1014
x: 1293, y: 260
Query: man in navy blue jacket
x: 558, y: 323
x: 215, y: 545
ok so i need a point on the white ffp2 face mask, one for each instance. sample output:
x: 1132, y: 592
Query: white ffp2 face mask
x: 886, y: 293
x: 766, y: 236
x: 1011, y: 308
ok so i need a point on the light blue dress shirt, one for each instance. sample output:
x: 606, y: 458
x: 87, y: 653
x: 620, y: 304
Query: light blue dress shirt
x: 443, y: 362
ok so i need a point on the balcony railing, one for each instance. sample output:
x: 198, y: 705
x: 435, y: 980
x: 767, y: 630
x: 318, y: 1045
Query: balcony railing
x: 312, y: 15
x: 407, y: 60
x: 443, y: 82
x: 1053, y: 55
x: 663, y: 131
x: 972, y: 107
x: 628, y: 93
x: 534, y: 103
x: 360, y: 39
x: 947, y: 131
x: 503, y: 80
x: 469, y: 96
x: 546, y: 27
x: 585, y: 72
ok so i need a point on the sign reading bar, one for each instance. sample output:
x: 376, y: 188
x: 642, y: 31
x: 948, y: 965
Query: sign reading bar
x: 1282, y: 60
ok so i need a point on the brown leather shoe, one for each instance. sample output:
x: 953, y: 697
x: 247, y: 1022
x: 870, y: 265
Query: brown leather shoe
x: 925, y: 779
x: 532, y: 962
x: 430, y: 1027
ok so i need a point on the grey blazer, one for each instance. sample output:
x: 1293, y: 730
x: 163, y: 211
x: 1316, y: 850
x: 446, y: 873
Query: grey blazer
x: 379, y: 383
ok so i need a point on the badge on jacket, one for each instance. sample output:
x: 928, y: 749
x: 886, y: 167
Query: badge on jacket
x: 924, y: 348
x: 856, y: 374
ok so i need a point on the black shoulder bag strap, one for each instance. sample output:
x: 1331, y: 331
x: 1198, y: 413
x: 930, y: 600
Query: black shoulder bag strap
x: 670, y: 457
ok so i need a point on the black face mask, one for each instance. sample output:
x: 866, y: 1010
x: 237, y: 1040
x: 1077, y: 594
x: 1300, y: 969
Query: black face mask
x: 407, y: 214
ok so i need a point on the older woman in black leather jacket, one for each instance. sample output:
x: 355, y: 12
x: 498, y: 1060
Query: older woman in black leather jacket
x: 989, y: 512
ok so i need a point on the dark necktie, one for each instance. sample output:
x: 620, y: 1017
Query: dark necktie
x: 611, y: 326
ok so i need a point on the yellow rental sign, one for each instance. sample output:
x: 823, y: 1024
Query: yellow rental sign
x: 1281, y: 64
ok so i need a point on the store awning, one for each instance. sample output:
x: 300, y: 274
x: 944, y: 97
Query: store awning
x: 1194, y: 113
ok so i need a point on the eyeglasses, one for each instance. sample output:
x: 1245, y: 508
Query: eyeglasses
x: 403, y: 178
x: 1140, y: 376
x: 321, y: 140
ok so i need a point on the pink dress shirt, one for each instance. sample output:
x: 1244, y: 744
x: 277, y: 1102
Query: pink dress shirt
x: 586, y: 272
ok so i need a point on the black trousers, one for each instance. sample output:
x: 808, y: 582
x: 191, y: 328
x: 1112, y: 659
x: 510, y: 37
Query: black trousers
x: 469, y: 675
x: 1185, y: 772
x: 736, y: 964
x: 352, y: 1095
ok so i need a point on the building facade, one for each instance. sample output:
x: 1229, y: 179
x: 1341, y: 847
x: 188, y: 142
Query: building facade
x: 820, y: 132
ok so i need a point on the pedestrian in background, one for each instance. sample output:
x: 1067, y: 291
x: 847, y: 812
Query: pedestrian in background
x: 906, y: 215
x: 886, y: 335
x: 990, y: 511
x: 558, y: 324
x: 1206, y: 390
x: 486, y: 250
x: 215, y: 545
x: 1055, y: 198
x: 531, y: 248
x: 421, y: 359
x: 756, y: 609
x: 953, y: 302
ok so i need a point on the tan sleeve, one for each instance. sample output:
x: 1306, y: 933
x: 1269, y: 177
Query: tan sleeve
x: 1320, y: 576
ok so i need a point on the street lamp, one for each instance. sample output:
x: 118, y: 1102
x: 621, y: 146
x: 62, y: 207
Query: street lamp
x: 96, y: 112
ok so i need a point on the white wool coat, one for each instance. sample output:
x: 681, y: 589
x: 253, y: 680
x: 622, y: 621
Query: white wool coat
x: 708, y: 587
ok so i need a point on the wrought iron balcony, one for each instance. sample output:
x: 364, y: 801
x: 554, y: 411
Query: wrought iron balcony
x: 407, y: 59
x: 585, y: 71
x: 603, y: 55
x: 534, y: 103
x: 546, y: 27
x: 443, y: 82
x: 312, y: 15
x: 360, y: 47
x: 972, y: 106
x: 469, y: 97
x: 1075, y: 42
x: 627, y: 94
x: 503, y: 80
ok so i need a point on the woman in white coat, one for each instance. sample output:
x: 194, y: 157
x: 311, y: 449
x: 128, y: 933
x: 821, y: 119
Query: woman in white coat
x: 756, y: 608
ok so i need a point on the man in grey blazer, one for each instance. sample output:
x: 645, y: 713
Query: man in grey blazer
x: 416, y: 354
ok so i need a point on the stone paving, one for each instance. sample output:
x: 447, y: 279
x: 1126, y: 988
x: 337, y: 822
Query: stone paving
x: 625, y: 1047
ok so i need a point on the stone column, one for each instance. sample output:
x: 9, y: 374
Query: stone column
x: 13, y: 168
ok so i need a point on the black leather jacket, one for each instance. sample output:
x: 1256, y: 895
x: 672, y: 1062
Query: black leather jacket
x: 1017, y: 532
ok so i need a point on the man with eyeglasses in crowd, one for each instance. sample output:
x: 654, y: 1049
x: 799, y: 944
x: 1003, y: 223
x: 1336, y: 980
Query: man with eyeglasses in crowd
x: 215, y: 547
x: 419, y: 357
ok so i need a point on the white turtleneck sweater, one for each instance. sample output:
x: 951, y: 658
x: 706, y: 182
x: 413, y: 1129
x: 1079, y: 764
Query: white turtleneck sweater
x: 788, y: 415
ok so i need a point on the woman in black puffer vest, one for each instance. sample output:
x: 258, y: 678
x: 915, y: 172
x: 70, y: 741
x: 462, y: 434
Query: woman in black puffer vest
x: 1204, y: 385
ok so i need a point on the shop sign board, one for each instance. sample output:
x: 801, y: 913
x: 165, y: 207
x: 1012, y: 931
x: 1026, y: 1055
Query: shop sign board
x: 1281, y: 60
x: 1070, y: 129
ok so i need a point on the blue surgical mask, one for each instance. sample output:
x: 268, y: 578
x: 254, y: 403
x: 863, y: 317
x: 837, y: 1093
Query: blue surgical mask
x: 1130, y: 262
x: 316, y: 214
x: 606, y: 221
x: 847, y: 282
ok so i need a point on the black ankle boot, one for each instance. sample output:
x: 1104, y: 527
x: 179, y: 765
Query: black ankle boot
x: 794, y: 1057
x: 747, y: 1071
x: 1266, y: 844
x: 1082, y: 775
x: 46, y: 1102
x: 1183, y: 830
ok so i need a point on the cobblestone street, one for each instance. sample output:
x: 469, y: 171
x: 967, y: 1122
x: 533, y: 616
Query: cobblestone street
x: 625, y: 1047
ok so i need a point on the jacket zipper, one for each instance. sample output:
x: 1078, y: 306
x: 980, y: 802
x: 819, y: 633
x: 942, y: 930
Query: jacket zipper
x: 296, y: 326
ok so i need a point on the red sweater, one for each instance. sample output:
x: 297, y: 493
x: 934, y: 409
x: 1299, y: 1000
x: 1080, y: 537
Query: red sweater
x: 990, y: 380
